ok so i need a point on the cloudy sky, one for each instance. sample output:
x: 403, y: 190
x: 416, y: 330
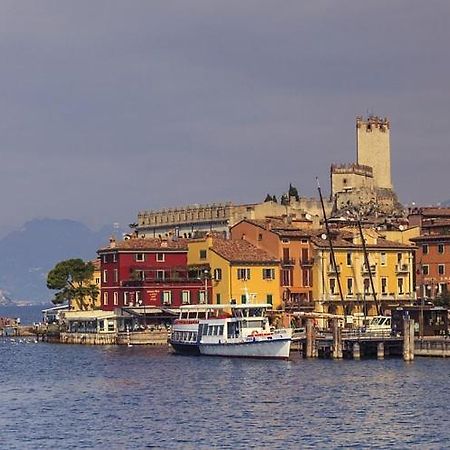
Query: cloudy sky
x: 111, y: 107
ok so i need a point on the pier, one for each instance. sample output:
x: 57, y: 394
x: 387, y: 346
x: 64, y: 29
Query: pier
x: 355, y: 344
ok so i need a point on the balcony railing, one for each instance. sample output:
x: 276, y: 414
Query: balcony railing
x: 288, y: 262
x: 399, y: 268
x: 372, y: 267
x: 332, y: 269
x: 307, y: 262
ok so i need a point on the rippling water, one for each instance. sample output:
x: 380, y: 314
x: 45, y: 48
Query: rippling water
x: 60, y: 396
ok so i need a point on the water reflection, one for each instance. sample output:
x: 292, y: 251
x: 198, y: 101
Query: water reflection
x: 56, y: 396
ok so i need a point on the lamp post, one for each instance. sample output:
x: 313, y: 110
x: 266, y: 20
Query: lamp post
x: 205, y: 272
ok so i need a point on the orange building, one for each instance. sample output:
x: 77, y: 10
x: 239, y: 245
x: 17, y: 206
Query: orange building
x: 285, y: 241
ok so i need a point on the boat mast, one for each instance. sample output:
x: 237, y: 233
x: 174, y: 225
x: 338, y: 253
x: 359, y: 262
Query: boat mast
x: 330, y: 243
x: 366, y: 261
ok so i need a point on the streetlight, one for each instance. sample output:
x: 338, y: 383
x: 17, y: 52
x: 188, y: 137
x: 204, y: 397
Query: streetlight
x: 206, y: 273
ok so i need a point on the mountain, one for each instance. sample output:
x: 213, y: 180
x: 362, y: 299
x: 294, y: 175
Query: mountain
x: 447, y: 203
x: 27, y: 255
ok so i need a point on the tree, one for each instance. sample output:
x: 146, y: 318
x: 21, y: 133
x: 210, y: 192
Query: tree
x: 443, y: 300
x: 293, y: 192
x: 268, y: 198
x: 73, y: 279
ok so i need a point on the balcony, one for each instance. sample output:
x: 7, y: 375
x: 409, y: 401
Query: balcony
x: 332, y: 270
x: 365, y: 269
x: 402, y: 268
x: 307, y: 262
x: 288, y: 262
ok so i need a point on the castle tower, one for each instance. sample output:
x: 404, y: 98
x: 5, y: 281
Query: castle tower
x: 373, y: 148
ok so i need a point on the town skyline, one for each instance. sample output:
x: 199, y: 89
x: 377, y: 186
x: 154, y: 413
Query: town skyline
x: 110, y: 110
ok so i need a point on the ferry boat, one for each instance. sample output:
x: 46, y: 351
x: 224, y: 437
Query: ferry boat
x: 184, y: 333
x: 243, y: 332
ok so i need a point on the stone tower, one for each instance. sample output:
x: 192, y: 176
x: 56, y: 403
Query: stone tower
x: 373, y: 149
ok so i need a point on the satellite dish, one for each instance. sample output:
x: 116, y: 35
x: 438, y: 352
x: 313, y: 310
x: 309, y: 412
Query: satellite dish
x: 324, y: 236
x: 401, y: 227
x: 308, y: 216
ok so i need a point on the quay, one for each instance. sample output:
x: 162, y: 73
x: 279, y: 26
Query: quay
x: 340, y: 344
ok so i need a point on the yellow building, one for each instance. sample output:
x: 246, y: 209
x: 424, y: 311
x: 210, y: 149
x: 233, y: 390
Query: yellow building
x: 238, y: 270
x: 391, y: 266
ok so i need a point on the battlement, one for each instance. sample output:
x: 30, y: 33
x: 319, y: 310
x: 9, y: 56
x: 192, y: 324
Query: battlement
x: 373, y: 122
x: 357, y: 169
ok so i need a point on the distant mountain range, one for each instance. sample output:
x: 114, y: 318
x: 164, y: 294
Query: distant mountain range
x: 27, y: 255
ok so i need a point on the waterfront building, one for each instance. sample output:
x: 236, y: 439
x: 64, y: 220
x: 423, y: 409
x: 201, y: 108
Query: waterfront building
x: 237, y: 270
x: 139, y: 272
x: 433, y: 254
x: 289, y: 241
x: 391, y: 267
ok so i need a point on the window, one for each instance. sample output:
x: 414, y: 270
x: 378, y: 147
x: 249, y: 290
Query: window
x: 349, y: 259
x: 116, y: 275
x: 186, y: 297
x: 202, y: 254
x: 126, y: 298
x: 105, y: 298
x: 116, y: 298
x: 201, y: 297
x: 305, y: 254
x: 260, y: 237
x: 105, y: 276
x: 441, y: 269
x: 268, y: 274
x: 383, y: 258
x: 138, y: 297
x: 218, y: 299
x: 105, y: 258
x: 441, y: 248
x: 166, y: 297
x: 400, y: 286
x: 243, y: 299
x: 333, y: 286
x: 384, y: 286
x: 425, y: 269
x: 114, y: 257
x: 425, y: 249
x: 399, y: 258
x: 350, y: 286
x: 269, y: 299
x: 366, y: 283
x: 160, y: 257
x: 243, y: 274
x: 306, y: 277
x: 97, y: 281
x: 139, y: 257
x: 160, y: 275
x: 286, y: 277
x: 217, y: 274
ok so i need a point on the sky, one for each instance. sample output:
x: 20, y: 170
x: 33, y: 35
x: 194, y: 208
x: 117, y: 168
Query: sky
x: 111, y: 107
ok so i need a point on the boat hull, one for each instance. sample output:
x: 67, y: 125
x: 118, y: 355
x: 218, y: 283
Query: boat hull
x: 269, y: 349
x: 185, y: 349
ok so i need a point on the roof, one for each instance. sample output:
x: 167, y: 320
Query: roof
x: 146, y: 244
x: 431, y: 237
x: 345, y: 240
x: 278, y: 226
x: 240, y: 251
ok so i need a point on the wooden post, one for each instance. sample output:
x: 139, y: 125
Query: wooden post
x: 408, y: 340
x: 337, y: 340
x: 411, y: 340
x: 310, y: 339
x: 356, y: 351
x: 380, y: 350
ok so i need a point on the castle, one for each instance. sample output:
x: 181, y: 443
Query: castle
x: 366, y: 185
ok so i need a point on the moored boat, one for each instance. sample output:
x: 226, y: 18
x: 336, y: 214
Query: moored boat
x: 244, y: 332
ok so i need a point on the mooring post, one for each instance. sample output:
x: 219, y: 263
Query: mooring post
x: 408, y: 339
x: 356, y: 351
x: 380, y: 350
x: 411, y: 340
x: 337, y: 340
x: 310, y: 339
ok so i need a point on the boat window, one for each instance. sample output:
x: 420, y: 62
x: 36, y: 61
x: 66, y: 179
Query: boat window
x: 220, y: 330
x: 210, y: 329
x: 201, y: 314
x: 184, y: 315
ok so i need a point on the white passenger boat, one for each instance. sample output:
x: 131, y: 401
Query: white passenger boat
x: 243, y: 332
x: 184, y: 337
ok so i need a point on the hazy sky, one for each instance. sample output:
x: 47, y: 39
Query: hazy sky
x: 111, y: 107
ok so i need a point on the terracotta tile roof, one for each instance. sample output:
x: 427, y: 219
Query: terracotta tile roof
x: 96, y: 263
x: 345, y: 240
x: 240, y: 251
x: 431, y: 237
x: 147, y: 244
x: 278, y: 226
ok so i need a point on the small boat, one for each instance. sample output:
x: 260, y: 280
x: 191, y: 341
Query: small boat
x: 244, y: 332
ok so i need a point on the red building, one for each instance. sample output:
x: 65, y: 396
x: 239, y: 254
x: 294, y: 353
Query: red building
x: 149, y: 272
x: 433, y: 254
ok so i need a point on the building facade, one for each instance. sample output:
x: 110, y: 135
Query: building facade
x: 238, y: 270
x: 148, y: 272
x: 391, y: 267
x: 282, y: 239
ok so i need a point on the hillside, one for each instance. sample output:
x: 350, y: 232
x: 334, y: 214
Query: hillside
x: 27, y: 255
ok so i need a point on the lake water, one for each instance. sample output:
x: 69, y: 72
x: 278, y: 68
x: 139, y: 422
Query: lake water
x: 60, y: 396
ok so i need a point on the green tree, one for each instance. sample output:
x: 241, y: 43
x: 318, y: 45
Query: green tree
x: 443, y: 300
x: 268, y: 198
x: 293, y: 192
x: 73, y: 279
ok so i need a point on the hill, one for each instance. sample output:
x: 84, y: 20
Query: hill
x: 27, y: 255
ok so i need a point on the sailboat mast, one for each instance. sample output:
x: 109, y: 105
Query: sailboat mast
x: 330, y: 243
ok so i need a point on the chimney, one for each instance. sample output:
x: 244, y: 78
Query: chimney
x: 112, y: 242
